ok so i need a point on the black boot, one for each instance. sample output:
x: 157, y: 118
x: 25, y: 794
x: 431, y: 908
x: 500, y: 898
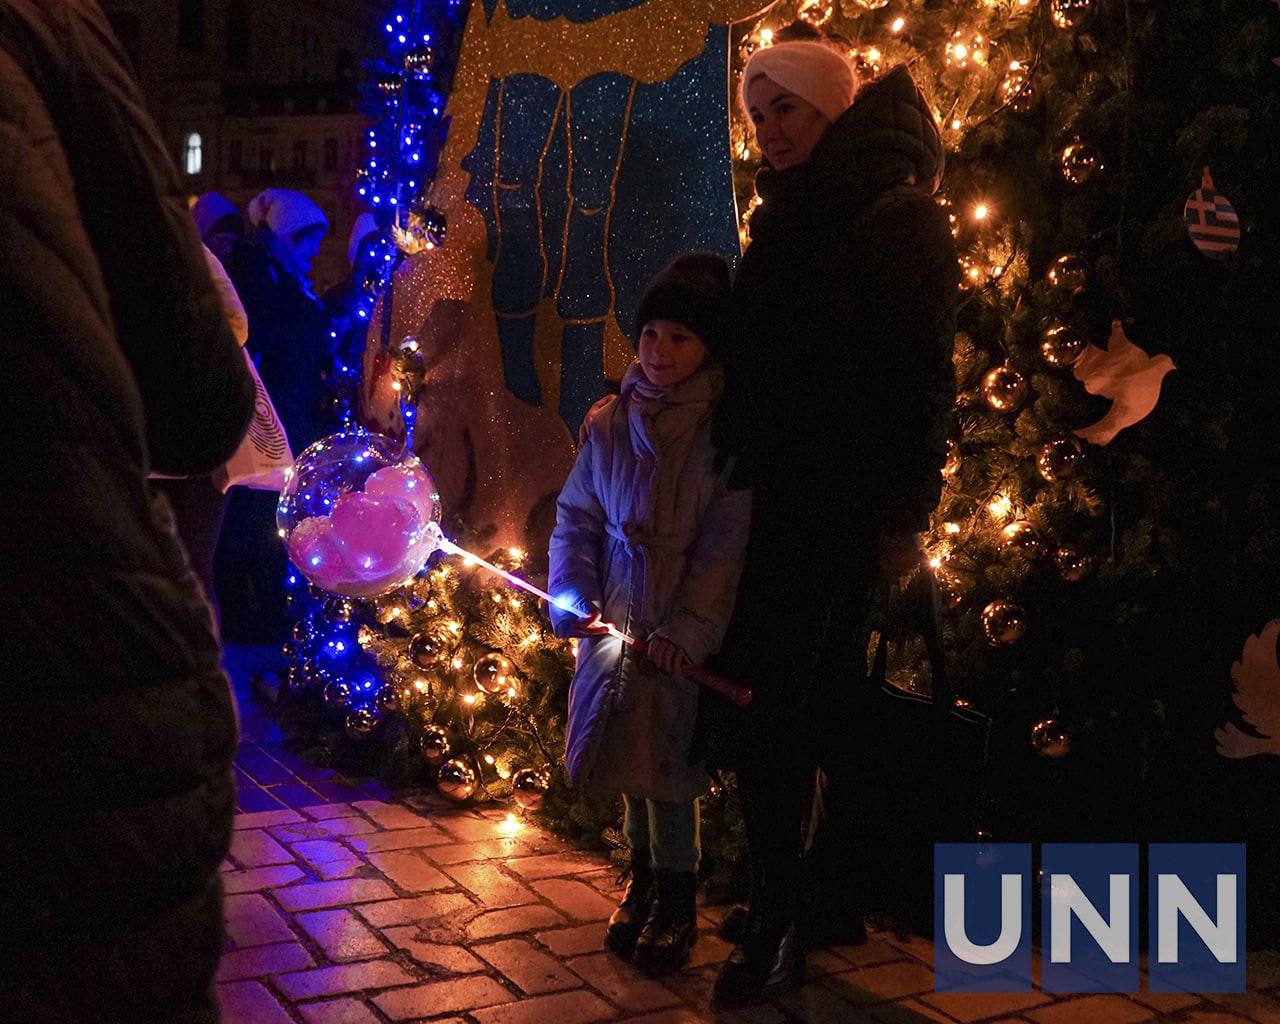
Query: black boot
x: 734, y: 925
x: 672, y: 928
x: 632, y: 913
x: 767, y: 961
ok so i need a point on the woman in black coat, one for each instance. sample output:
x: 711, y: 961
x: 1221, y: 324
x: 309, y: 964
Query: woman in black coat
x: 837, y: 410
x: 118, y: 727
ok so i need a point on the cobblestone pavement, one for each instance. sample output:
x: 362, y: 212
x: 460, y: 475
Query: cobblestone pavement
x: 346, y: 904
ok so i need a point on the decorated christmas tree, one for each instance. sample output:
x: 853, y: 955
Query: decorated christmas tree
x: 1107, y: 527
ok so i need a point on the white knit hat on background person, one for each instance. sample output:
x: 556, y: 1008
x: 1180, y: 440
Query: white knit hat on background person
x: 814, y: 71
x: 210, y: 208
x: 286, y: 212
x: 364, y: 225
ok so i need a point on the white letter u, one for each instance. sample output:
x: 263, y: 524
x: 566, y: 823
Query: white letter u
x: 1010, y: 921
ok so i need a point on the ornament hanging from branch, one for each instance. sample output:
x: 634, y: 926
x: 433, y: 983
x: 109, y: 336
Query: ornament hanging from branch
x: 1257, y: 697
x: 1211, y: 220
x: 1128, y: 376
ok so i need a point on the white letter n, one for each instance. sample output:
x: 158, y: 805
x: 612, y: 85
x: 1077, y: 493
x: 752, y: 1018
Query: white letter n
x: 1176, y: 900
x: 1066, y: 899
x: 1010, y: 921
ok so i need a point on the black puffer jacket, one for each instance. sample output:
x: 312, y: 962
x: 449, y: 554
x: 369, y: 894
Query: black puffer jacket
x: 118, y: 727
x: 840, y: 379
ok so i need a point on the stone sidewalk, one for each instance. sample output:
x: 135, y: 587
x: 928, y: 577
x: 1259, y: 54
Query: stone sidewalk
x: 348, y: 905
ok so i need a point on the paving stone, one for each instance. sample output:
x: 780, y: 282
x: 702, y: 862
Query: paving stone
x: 225, y: 866
x: 391, y: 816
x: 254, y: 848
x: 552, y: 865
x: 565, y: 1008
x: 410, y: 871
x: 1257, y: 1007
x: 527, y: 967
x: 816, y: 963
x: 419, y: 908
x: 967, y: 1006
x: 472, y: 829
x: 265, y: 819
x: 323, y: 812
x: 333, y: 981
x: 711, y: 949
x: 815, y: 1004
x: 873, y: 951
x: 328, y: 858
x: 681, y: 1016
x: 341, y: 935
x: 586, y: 938
x: 882, y: 983
x: 494, y: 850
x: 258, y: 961
x: 439, y: 997
x: 491, y: 886
x: 317, y: 895
x: 247, y: 1002
x: 303, y: 830
x: 1097, y: 1009
x: 1167, y: 1002
x: 575, y: 899
x: 260, y: 878
x: 444, y: 958
x: 398, y: 840
x: 621, y: 983
x: 912, y: 1011
x: 338, y: 1011
x: 512, y: 921
x: 252, y: 921
x: 1209, y: 1017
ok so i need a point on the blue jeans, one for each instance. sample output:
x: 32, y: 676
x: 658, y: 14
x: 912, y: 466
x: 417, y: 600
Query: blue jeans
x: 669, y: 831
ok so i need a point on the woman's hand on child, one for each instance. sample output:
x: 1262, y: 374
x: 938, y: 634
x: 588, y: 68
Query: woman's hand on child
x: 667, y: 656
x: 599, y: 407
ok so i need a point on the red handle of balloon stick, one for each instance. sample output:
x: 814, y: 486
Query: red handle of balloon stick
x: 730, y: 689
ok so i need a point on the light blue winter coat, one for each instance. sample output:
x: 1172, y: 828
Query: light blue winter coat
x: 648, y: 534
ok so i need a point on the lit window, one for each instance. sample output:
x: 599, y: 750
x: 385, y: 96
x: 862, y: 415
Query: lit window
x: 193, y: 159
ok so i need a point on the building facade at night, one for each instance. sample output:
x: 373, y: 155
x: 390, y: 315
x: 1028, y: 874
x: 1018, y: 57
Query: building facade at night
x: 253, y: 95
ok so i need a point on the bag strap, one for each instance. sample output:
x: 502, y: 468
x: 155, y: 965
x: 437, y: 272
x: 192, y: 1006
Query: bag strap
x: 923, y: 610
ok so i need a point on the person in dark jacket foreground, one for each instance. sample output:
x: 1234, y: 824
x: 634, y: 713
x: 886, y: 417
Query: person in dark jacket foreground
x: 836, y: 407
x: 118, y: 727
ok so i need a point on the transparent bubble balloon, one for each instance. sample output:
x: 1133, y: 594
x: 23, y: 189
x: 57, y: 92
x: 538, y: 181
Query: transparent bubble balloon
x: 359, y: 515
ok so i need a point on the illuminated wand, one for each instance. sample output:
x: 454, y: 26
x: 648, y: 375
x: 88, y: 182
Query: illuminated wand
x: 731, y: 690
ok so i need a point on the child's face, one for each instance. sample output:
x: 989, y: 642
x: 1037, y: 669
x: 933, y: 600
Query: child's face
x: 670, y: 352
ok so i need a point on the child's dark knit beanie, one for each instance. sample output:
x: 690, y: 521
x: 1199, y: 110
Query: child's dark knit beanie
x: 692, y: 290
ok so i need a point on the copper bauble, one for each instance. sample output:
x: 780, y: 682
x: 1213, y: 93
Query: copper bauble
x: 1079, y: 162
x: 1067, y: 275
x: 1069, y: 14
x: 456, y: 780
x: 388, y: 700
x: 1071, y: 565
x: 1061, y: 345
x: 1050, y: 738
x: 493, y: 673
x: 339, y: 609
x: 1003, y: 623
x: 361, y: 722
x: 427, y: 650
x: 817, y: 12
x: 1004, y: 389
x: 435, y: 745
x: 336, y: 695
x: 1021, y: 538
x: 529, y: 788
x: 1059, y: 460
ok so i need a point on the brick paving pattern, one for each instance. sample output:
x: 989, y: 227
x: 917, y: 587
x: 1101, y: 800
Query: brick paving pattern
x: 349, y: 904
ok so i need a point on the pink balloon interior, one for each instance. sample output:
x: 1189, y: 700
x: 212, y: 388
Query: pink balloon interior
x: 374, y: 540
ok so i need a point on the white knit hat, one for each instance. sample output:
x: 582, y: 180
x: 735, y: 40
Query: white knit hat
x: 814, y: 71
x: 365, y: 224
x: 285, y: 211
x: 210, y: 208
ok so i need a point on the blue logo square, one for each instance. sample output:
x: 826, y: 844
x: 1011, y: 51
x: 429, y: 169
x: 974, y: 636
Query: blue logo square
x: 1196, y: 917
x: 982, y: 917
x: 1089, y: 921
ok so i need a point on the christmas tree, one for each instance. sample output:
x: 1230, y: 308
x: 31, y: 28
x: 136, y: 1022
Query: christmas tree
x: 1107, y: 529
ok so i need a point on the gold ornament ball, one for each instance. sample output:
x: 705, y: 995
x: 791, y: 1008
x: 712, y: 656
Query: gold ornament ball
x: 393, y: 606
x: 336, y: 695
x: 1004, y: 389
x: 1067, y: 275
x: 1079, y: 162
x: 817, y: 12
x: 456, y: 780
x: 1023, y: 539
x: 426, y: 650
x: 1016, y: 90
x: 870, y: 5
x: 339, y: 609
x: 361, y: 722
x: 435, y: 745
x: 493, y: 673
x: 1060, y: 345
x: 1071, y: 565
x: 1003, y: 623
x: 1059, y: 460
x: 388, y: 700
x: 1050, y: 738
x: 529, y: 788
x: 1068, y: 14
